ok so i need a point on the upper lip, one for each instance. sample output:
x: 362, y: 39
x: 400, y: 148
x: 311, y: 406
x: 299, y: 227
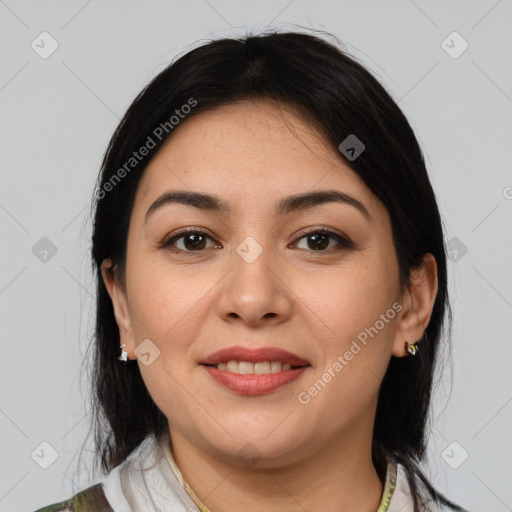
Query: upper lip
x: 253, y: 355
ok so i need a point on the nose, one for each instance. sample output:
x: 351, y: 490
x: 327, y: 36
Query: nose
x: 256, y: 293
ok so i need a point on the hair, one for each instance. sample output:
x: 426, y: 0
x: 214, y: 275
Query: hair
x: 335, y: 93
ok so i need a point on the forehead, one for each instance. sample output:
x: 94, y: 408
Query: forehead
x: 249, y: 153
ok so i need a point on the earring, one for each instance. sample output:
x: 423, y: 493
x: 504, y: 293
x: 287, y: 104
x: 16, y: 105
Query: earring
x: 412, y: 349
x: 124, y: 355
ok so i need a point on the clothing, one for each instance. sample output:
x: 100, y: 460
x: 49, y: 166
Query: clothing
x: 150, y: 481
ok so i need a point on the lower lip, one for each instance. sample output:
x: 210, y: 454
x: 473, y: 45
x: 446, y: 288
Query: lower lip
x: 253, y: 384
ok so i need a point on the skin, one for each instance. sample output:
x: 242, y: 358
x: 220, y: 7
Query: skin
x: 310, y: 302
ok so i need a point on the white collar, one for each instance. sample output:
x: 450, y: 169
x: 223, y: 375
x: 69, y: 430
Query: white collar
x: 145, y: 481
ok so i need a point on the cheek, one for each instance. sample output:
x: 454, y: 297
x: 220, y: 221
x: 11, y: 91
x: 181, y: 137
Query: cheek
x: 352, y: 299
x: 357, y: 347
x: 166, y: 300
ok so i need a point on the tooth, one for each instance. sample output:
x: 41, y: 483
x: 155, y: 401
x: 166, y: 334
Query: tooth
x: 232, y: 366
x: 259, y: 368
x: 275, y: 367
x: 262, y: 367
x: 245, y: 367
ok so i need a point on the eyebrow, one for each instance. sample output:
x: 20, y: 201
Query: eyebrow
x: 294, y: 203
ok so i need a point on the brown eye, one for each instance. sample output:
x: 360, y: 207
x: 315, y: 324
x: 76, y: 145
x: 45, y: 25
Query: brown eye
x: 194, y: 241
x: 320, y: 241
x: 188, y: 241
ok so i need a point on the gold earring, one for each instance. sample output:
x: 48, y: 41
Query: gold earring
x: 412, y: 349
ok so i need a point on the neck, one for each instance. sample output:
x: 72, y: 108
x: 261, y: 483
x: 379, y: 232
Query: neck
x: 341, y: 476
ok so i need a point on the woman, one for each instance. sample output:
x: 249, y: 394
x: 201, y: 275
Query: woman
x: 271, y: 290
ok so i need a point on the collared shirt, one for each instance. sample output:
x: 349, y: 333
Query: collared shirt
x: 150, y: 481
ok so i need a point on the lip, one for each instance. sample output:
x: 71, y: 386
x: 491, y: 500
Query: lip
x: 253, y: 384
x: 240, y: 353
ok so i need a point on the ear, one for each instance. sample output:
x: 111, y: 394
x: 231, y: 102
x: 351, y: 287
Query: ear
x: 120, y: 304
x: 417, y: 301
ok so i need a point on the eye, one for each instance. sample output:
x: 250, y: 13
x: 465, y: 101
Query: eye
x: 191, y: 240
x: 320, y: 240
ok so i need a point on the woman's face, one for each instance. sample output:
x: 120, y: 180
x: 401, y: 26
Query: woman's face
x: 252, y: 280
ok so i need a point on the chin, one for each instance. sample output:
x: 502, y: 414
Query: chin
x: 256, y: 449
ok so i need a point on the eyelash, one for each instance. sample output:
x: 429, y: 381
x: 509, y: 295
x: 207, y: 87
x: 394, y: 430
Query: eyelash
x: 343, y: 242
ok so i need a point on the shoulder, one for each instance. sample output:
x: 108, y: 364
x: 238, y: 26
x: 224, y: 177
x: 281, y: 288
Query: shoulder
x: 402, y: 497
x: 91, y: 499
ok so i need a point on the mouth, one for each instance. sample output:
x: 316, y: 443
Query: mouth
x: 254, y: 371
x: 259, y: 368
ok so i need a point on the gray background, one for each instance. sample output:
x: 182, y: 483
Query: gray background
x: 58, y: 114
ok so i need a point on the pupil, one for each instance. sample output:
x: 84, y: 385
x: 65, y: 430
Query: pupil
x: 323, y: 243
